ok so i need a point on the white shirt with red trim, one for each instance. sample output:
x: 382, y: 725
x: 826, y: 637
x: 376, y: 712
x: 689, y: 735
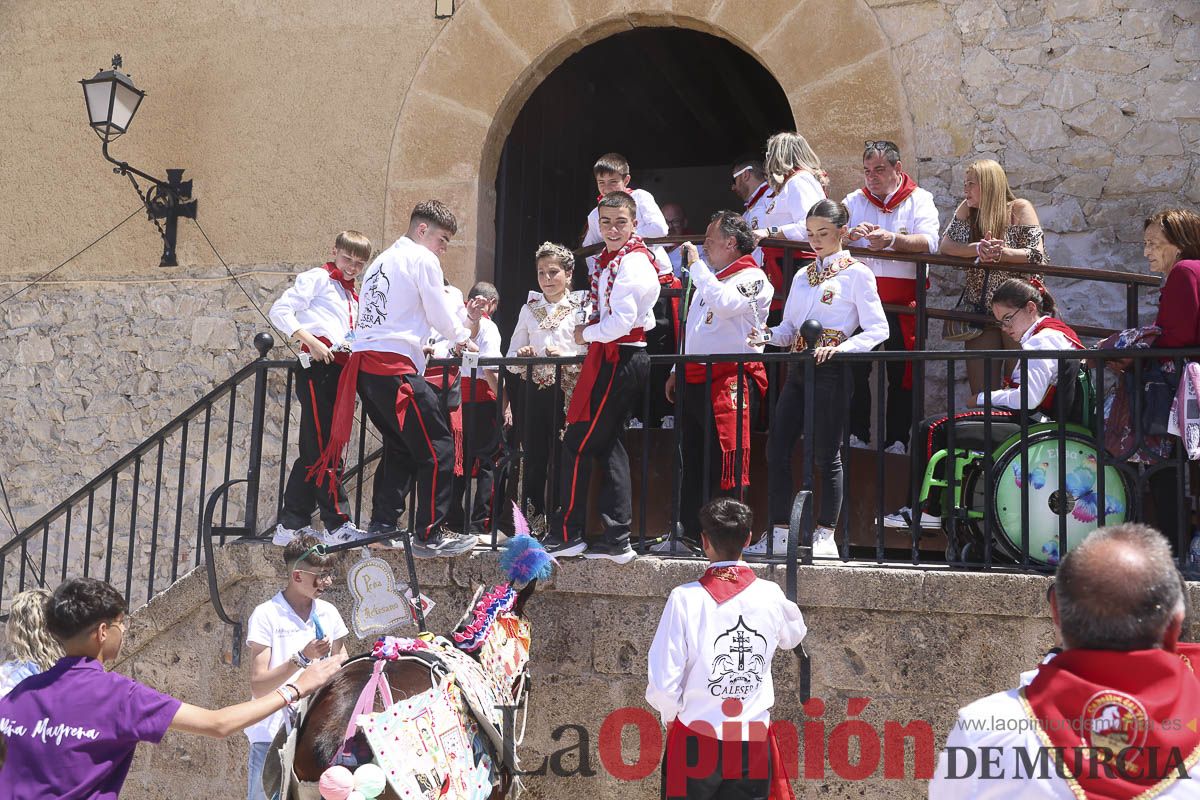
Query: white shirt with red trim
x: 842, y: 303
x: 403, y: 301
x: 317, y: 304
x: 916, y: 215
x: 631, y: 302
x: 998, y: 721
x: 757, y: 212
x: 722, y: 314
x: 704, y: 654
x: 788, y: 208
x: 1042, y: 372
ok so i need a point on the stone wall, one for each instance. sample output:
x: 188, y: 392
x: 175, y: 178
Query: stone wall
x: 916, y: 644
x: 1092, y: 106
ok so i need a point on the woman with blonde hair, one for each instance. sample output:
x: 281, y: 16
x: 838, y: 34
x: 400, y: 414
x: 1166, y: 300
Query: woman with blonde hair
x: 994, y: 227
x: 31, y: 648
x: 797, y: 184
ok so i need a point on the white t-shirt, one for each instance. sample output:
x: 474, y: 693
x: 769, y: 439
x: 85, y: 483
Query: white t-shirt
x: 274, y: 624
x: 705, y: 653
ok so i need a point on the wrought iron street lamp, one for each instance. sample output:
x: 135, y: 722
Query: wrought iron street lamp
x: 112, y: 100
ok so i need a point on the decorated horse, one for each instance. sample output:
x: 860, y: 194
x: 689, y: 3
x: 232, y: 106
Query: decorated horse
x: 424, y: 717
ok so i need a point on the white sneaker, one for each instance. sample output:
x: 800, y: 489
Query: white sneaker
x: 777, y: 536
x: 345, y: 534
x: 903, y: 519
x: 672, y: 547
x: 859, y: 443
x: 896, y: 449
x: 824, y: 545
x: 284, y: 536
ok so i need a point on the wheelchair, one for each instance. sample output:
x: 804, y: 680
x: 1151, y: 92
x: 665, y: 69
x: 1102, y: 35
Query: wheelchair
x: 965, y: 514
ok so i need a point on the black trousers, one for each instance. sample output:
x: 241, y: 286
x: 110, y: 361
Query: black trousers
x: 787, y: 426
x: 899, y: 401
x: 601, y: 439
x: 421, y: 451
x: 316, y: 392
x: 481, y: 435
x: 727, y: 781
x: 701, y: 480
x: 538, y: 416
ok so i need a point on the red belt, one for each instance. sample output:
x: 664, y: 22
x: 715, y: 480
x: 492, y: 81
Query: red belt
x: 598, y: 353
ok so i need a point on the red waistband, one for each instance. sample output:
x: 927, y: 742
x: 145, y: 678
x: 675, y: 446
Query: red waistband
x: 339, y: 356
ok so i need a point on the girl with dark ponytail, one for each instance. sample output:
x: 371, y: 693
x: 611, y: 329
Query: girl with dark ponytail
x: 1025, y: 311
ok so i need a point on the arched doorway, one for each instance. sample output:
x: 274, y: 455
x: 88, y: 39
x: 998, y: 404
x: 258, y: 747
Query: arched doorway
x: 680, y: 104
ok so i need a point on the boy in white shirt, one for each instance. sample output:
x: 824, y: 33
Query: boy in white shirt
x: 285, y: 634
x: 475, y: 426
x: 624, y: 289
x: 319, y: 311
x: 403, y: 302
x: 710, y: 669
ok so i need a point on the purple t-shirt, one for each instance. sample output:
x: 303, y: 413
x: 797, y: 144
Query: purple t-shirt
x: 71, y: 731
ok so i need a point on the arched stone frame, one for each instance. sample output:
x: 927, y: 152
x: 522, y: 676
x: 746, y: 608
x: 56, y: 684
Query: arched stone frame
x: 836, y: 68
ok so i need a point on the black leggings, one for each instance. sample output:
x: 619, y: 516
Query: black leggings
x: 787, y: 426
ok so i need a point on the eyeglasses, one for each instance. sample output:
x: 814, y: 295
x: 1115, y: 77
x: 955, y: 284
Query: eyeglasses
x: 882, y: 145
x: 328, y: 576
x: 1007, y: 319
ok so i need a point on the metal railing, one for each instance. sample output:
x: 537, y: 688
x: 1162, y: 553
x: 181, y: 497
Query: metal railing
x: 140, y: 523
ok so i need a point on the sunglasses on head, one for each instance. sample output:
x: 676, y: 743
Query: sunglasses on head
x: 883, y: 145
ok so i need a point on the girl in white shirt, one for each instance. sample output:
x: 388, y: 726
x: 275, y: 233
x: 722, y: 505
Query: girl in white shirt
x: 545, y: 328
x: 839, y: 292
x: 797, y: 184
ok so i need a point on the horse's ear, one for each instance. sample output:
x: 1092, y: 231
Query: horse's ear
x: 523, y: 597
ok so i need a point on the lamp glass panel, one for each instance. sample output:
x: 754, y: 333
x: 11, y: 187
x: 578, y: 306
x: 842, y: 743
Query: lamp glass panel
x: 98, y: 95
x: 125, y: 106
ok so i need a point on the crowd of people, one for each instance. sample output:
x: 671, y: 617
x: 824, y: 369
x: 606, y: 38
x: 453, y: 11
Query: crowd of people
x: 737, y: 300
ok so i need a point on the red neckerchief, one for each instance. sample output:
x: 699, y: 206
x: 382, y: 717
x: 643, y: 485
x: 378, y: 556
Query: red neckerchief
x: 727, y: 582
x: 336, y: 275
x: 1088, y: 701
x: 634, y: 244
x: 745, y: 262
x: 757, y: 195
x: 727, y: 407
x: 1189, y: 654
x: 1054, y: 324
x: 626, y: 190
x: 907, y: 187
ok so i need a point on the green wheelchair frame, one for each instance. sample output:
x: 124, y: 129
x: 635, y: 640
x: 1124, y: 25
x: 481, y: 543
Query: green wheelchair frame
x: 958, y: 508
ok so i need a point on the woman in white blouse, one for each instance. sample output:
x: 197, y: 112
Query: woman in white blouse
x: 838, y: 291
x: 545, y: 328
x: 797, y: 183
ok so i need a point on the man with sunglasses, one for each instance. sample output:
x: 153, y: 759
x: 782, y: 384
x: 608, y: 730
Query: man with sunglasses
x: 890, y: 214
x: 749, y: 183
x: 287, y: 633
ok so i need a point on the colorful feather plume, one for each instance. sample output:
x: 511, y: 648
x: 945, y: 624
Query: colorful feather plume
x: 524, y: 559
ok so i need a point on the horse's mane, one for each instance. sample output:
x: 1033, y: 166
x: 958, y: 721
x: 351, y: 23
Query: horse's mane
x: 344, y: 687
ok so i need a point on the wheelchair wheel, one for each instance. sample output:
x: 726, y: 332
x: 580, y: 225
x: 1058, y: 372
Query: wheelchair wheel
x: 1079, y: 505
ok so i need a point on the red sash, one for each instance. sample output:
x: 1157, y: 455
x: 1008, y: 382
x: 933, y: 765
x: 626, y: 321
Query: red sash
x: 676, y: 760
x: 598, y: 353
x: 339, y: 356
x: 725, y: 412
x: 907, y: 187
x: 373, y: 362
x: 902, y: 292
x: 1130, y: 704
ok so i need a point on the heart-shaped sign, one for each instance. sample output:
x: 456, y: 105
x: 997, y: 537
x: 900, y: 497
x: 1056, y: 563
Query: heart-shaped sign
x: 379, y: 606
